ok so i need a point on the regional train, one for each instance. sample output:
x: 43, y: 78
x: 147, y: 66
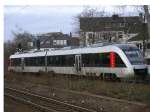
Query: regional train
x: 105, y: 61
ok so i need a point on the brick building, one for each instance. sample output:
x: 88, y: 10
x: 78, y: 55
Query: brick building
x: 115, y: 28
x: 57, y: 40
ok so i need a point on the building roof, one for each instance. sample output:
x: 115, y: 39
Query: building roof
x: 143, y: 33
x: 98, y: 23
x: 129, y: 19
x: 139, y: 37
x: 52, y: 35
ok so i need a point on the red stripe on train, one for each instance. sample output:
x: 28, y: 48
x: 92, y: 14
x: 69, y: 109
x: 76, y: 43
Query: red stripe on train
x: 112, y: 59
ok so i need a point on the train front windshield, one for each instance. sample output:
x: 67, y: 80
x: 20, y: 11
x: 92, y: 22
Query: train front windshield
x: 134, y: 55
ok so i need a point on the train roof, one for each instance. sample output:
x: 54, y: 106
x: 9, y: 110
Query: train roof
x: 35, y: 54
x: 91, y: 49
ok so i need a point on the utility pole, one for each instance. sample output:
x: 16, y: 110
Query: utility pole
x: 144, y: 38
x: 147, y: 17
x: 144, y: 27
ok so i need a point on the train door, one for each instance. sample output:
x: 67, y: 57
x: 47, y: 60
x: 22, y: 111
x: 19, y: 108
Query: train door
x: 78, y: 63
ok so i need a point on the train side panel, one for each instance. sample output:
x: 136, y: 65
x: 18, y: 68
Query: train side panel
x: 14, y: 69
x: 34, y: 69
x: 61, y: 70
x: 119, y: 72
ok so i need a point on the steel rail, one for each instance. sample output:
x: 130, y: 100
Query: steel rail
x: 42, y: 108
x: 73, y: 107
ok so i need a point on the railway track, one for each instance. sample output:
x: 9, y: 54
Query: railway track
x: 43, y: 104
x: 91, y: 78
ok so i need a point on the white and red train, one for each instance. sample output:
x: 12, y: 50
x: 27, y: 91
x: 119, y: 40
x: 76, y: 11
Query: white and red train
x: 113, y: 61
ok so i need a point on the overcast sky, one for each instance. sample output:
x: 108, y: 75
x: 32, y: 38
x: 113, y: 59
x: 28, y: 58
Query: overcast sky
x: 43, y: 19
x: 38, y: 19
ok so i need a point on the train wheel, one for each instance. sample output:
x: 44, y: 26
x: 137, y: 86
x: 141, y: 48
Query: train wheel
x: 11, y: 71
x: 101, y: 76
x: 114, y: 77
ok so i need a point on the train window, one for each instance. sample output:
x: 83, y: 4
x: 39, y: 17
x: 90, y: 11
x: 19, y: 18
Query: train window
x: 62, y: 60
x: 52, y: 60
x: 41, y: 61
x: 86, y: 59
x: 70, y: 60
x: 90, y: 60
x: 119, y: 62
x: 49, y: 60
x: 26, y: 61
x: 35, y: 61
x: 100, y: 60
x: 16, y: 61
x: 105, y: 59
x: 57, y: 60
x: 29, y: 61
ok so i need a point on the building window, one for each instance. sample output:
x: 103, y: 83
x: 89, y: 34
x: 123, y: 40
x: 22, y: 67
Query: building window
x: 120, y: 34
x: 47, y: 42
x: 126, y: 24
x: 41, y: 43
x: 54, y: 42
x: 59, y: 42
x: 114, y: 34
x: 30, y: 44
x: 65, y: 42
x: 122, y: 24
x: 139, y: 45
x: 90, y: 35
x: 114, y: 24
x: 107, y: 25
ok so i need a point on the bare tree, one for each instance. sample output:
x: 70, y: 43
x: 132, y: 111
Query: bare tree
x: 143, y: 10
x: 10, y: 46
x: 92, y: 12
x: 88, y: 12
x: 147, y: 17
x: 22, y: 39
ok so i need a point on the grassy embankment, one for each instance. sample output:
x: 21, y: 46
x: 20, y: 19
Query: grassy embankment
x: 129, y: 91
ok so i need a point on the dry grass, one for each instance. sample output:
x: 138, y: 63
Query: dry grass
x: 129, y: 91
